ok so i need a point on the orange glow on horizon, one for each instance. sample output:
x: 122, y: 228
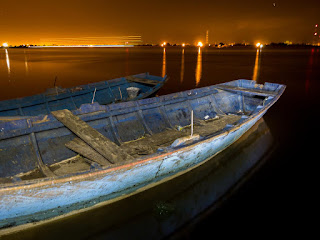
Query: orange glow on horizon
x: 38, y: 22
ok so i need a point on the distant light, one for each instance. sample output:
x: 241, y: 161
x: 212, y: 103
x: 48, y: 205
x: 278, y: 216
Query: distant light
x: 316, y: 25
x: 183, y: 44
x: 261, y: 45
x: 258, y: 44
x: 200, y: 44
x: 164, y: 43
x: 5, y: 45
x: 315, y: 34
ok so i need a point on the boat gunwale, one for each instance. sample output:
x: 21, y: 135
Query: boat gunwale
x: 35, y: 183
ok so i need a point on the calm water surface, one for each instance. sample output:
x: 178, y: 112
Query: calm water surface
x: 279, y: 193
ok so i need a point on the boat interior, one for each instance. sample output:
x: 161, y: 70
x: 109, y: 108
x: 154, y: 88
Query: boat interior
x: 40, y: 147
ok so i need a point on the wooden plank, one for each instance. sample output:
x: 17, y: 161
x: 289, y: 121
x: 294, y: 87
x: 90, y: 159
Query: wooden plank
x: 259, y: 92
x: 92, y: 137
x: 43, y: 168
x: 142, y: 80
x: 79, y: 146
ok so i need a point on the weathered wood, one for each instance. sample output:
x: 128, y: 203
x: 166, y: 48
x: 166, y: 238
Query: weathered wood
x: 43, y: 168
x: 259, y: 92
x: 79, y: 146
x: 92, y: 137
x: 142, y: 80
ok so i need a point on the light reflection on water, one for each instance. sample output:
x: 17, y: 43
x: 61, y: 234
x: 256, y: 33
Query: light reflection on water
x: 182, y: 66
x: 256, y: 69
x: 199, y: 67
x: 26, y: 63
x: 26, y: 72
x: 8, y: 61
x: 309, y: 70
x: 164, y: 63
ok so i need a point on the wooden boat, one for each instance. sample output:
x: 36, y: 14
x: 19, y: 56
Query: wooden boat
x: 54, y: 165
x: 123, y: 89
x: 183, y: 200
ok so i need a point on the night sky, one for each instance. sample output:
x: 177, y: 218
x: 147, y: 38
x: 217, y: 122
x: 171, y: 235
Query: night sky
x: 29, y: 22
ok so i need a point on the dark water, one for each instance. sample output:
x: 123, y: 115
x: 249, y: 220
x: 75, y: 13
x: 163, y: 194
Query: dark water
x: 278, y: 199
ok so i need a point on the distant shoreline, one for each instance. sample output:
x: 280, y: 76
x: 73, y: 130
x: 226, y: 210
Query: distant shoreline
x: 267, y: 46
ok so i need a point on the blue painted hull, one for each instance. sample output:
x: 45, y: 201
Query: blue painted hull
x: 104, y: 92
x: 43, y: 198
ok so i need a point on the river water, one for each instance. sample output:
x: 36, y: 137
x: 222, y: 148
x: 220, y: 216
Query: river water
x: 280, y: 191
